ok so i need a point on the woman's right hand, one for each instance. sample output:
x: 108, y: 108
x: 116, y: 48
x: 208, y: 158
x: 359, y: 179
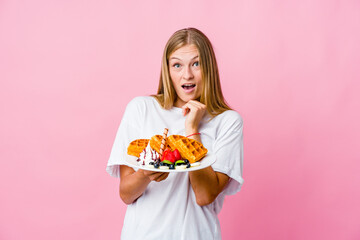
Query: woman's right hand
x: 134, y: 183
x: 154, y: 176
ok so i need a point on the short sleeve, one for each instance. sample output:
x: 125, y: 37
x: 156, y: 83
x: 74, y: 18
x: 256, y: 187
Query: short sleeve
x: 228, y: 149
x: 129, y: 130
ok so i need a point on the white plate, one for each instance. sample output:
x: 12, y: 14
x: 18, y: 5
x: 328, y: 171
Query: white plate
x: 208, y: 160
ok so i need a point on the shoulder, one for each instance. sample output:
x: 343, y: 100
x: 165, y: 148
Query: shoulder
x: 229, y: 120
x: 232, y: 114
x: 141, y: 102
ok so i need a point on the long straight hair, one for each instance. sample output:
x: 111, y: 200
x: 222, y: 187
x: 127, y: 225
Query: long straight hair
x: 211, y: 94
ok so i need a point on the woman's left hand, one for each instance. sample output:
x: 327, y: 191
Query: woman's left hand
x: 194, y: 112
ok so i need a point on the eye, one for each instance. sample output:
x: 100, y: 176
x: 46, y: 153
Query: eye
x: 196, y: 64
x: 176, y: 65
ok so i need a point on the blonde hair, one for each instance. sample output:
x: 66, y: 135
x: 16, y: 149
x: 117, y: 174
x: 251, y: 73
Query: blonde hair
x: 211, y: 94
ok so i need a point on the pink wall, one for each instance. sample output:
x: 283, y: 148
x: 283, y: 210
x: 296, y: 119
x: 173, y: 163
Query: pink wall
x: 68, y: 68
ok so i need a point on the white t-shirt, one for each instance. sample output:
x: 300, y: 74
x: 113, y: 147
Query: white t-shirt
x: 168, y: 209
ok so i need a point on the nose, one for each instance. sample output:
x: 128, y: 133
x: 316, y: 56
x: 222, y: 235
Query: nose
x: 188, y: 73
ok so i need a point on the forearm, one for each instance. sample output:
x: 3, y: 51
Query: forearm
x: 132, y: 186
x: 206, y: 185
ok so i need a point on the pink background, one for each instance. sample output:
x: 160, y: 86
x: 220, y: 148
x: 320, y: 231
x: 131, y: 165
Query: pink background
x: 290, y: 68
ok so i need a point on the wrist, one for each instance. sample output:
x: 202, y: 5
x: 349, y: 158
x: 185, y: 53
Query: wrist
x: 191, y: 131
x: 193, y: 134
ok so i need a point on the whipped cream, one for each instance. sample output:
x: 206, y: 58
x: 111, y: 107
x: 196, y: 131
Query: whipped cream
x: 148, y: 155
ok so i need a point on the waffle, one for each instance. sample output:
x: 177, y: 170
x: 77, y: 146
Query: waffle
x: 137, y: 146
x: 189, y: 149
x: 172, y: 139
x: 155, y: 143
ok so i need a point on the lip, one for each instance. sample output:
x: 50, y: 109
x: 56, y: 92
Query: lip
x: 190, y: 90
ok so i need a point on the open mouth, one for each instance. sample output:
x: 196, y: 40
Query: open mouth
x: 188, y: 86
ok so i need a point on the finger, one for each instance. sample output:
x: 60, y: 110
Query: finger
x: 154, y: 175
x: 186, y: 110
x: 151, y: 175
x: 148, y: 172
x: 194, y: 102
x: 191, y: 108
x: 162, y: 177
x: 188, y: 107
x: 197, y: 104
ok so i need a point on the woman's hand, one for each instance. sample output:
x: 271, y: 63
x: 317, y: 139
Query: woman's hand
x: 194, y: 112
x: 154, y: 176
x: 206, y: 183
x: 133, y: 184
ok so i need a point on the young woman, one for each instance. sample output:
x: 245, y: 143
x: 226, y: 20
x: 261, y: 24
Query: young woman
x: 189, y: 102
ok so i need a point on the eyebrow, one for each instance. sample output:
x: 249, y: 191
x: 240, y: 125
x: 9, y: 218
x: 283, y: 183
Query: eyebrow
x: 180, y: 59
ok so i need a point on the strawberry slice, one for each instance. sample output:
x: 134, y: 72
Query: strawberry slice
x: 170, y: 156
x: 165, y: 153
x: 177, y: 154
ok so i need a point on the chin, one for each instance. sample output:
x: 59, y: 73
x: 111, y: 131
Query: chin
x: 188, y: 99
